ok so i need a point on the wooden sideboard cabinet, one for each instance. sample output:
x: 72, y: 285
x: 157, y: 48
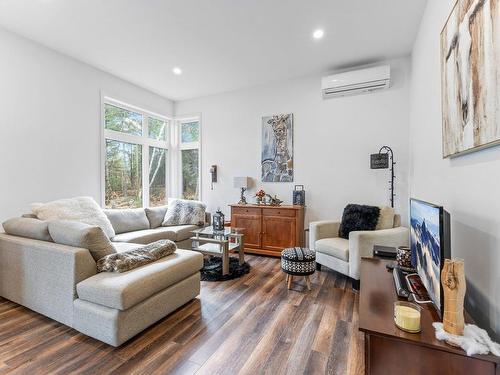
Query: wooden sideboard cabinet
x: 269, y: 229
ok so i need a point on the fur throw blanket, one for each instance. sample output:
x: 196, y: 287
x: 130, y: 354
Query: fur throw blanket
x: 474, y: 340
x: 128, y: 260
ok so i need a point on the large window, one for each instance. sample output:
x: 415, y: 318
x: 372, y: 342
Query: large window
x: 148, y: 157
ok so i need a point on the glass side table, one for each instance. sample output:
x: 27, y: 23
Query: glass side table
x: 208, y: 241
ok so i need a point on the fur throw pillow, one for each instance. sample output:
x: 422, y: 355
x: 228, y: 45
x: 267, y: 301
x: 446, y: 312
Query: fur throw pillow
x: 358, y: 217
x: 82, y: 209
x: 128, y: 260
x: 181, y: 212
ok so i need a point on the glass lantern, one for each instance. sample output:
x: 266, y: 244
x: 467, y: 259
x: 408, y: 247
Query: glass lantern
x: 218, y: 221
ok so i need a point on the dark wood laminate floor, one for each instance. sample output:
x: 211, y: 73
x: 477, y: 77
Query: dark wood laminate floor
x: 249, y: 325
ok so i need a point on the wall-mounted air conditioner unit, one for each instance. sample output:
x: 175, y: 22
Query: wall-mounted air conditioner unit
x: 356, y: 81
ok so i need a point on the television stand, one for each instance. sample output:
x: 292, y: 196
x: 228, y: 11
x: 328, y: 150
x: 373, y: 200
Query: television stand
x: 389, y: 350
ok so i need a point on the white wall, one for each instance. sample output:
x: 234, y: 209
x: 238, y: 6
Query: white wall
x: 50, y: 123
x: 468, y: 186
x: 332, y: 142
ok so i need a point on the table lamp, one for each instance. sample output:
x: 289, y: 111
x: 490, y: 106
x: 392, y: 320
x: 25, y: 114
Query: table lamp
x: 241, y: 183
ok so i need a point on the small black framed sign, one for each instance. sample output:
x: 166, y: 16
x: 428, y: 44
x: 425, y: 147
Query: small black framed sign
x: 379, y: 161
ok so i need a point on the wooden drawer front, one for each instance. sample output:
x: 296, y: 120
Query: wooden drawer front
x: 245, y: 211
x: 278, y: 212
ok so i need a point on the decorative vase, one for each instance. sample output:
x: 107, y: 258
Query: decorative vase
x: 403, y: 256
x: 453, y: 280
x: 259, y: 200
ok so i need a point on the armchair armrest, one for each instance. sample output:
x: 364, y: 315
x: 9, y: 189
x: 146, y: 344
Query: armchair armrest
x: 361, y: 244
x: 322, y: 229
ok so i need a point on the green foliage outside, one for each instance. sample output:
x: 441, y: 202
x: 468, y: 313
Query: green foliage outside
x: 121, y: 120
x: 124, y: 161
x: 157, y: 176
x: 190, y: 132
x: 157, y: 128
x: 123, y: 175
x: 190, y: 174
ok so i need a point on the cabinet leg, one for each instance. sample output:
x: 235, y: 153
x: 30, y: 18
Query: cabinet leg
x: 289, y: 281
x: 318, y: 266
x: 308, y: 282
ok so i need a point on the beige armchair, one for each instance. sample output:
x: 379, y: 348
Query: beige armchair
x: 343, y: 255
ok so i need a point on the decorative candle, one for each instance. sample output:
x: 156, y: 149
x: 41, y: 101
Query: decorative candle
x: 407, y: 316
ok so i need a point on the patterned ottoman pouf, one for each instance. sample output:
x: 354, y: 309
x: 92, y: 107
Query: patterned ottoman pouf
x: 298, y: 261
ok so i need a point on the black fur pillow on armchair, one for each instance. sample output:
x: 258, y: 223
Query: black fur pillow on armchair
x: 358, y: 217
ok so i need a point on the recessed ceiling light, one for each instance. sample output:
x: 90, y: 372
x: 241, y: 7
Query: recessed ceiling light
x: 318, y: 34
x: 177, y: 71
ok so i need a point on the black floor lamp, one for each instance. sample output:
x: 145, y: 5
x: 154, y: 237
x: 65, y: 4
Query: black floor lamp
x: 381, y: 161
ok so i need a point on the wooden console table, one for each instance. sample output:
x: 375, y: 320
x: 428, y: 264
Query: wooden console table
x: 269, y: 229
x: 388, y: 350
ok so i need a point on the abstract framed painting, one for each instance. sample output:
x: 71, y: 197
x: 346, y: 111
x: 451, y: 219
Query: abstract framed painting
x: 277, y: 148
x: 470, y: 77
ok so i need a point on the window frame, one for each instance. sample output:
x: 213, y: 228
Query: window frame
x: 143, y: 140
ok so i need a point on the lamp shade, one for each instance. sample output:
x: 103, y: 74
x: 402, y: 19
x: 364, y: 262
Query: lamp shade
x: 241, y: 182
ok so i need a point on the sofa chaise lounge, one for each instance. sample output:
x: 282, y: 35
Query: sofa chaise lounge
x: 62, y: 282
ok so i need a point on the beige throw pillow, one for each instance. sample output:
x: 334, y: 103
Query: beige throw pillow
x: 156, y: 215
x: 28, y: 228
x: 81, y: 209
x: 386, y: 218
x: 73, y: 233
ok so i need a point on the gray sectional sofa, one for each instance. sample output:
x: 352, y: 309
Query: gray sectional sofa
x: 62, y: 282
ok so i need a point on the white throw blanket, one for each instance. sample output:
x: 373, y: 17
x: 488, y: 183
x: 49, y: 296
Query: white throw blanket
x: 474, y: 340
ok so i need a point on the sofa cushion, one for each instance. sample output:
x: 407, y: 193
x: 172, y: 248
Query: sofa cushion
x: 336, y: 247
x: 156, y: 215
x: 173, y: 233
x: 28, y: 228
x: 128, y: 219
x: 124, y: 290
x: 183, y: 211
x: 183, y: 232
x: 82, y: 209
x: 74, y: 233
x: 385, y: 218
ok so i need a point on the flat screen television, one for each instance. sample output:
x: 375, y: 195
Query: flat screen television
x: 430, y: 245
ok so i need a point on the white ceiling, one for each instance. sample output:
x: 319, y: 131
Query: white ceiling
x: 221, y: 45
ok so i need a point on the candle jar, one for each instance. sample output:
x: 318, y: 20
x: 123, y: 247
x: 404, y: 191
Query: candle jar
x: 407, y: 316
